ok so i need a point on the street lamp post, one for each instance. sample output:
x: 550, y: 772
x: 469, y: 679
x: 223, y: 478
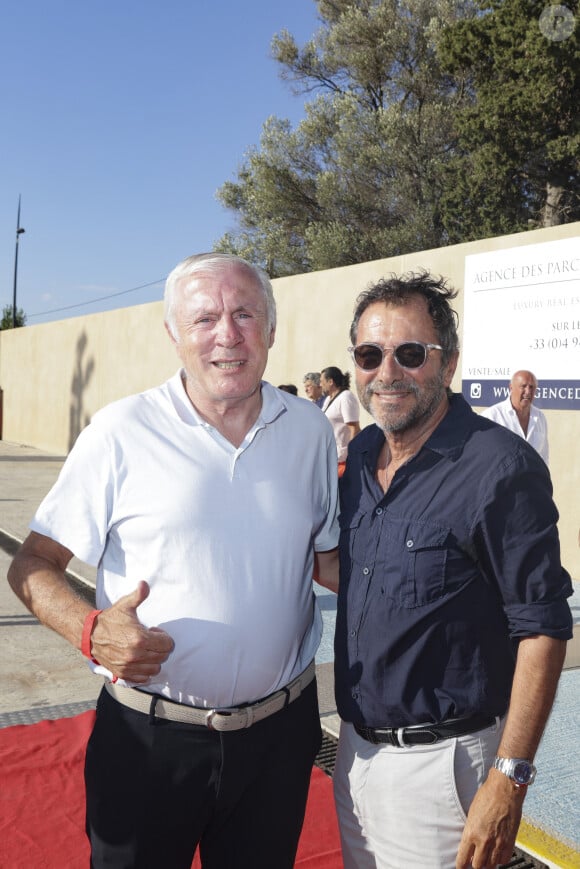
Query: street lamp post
x: 19, y: 231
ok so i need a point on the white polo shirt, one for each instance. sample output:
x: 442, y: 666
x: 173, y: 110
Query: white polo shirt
x: 224, y: 536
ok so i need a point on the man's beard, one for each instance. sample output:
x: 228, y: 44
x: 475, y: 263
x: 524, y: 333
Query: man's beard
x: 428, y: 397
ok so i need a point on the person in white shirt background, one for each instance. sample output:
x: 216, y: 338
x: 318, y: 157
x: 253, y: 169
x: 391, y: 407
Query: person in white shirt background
x: 517, y: 412
x: 342, y: 409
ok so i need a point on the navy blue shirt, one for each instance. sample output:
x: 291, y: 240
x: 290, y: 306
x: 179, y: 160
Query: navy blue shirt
x: 441, y: 575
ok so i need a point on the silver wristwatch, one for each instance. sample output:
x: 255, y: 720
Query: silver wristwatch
x: 521, y: 771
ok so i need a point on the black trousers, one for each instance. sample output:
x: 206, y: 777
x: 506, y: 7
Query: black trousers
x: 156, y: 789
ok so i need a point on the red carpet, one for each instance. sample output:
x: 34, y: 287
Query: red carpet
x: 42, y: 801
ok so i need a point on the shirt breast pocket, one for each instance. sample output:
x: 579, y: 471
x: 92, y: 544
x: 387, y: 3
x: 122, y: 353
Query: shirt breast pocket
x: 424, y: 563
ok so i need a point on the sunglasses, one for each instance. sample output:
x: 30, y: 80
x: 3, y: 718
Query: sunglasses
x: 410, y: 354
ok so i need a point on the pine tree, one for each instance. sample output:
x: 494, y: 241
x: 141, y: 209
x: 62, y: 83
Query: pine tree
x: 361, y: 176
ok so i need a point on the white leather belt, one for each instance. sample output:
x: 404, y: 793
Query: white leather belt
x: 235, y: 718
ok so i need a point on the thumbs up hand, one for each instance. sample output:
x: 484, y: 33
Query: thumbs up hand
x: 126, y: 647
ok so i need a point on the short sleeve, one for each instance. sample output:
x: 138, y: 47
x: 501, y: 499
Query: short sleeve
x: 76, y: 511
x: 326, y: 537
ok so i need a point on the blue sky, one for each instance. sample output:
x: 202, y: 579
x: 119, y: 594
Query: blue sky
x: 120, y: 120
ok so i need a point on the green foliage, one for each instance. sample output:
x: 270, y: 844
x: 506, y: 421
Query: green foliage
x: 427, y: 122
x: 517, y: 163
x: 360, y: 177
x: 7, y: 317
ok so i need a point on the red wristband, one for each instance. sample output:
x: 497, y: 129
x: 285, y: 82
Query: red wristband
x: 87, y: 631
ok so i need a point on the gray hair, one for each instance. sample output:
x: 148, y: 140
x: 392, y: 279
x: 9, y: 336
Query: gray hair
x: 214, y: 262
x: 314, y: 376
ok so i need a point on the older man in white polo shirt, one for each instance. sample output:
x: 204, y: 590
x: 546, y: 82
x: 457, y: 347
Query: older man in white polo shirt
x: 207, y: 518
x: 517, y: 412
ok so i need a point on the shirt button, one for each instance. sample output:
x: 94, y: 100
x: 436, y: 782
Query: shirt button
x: 409, y: 544
x: 366, y: 571
x: 379, y: 511
x: 353, y: 633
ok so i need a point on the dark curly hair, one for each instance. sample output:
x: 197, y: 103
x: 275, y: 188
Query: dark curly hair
x: 398, y: 290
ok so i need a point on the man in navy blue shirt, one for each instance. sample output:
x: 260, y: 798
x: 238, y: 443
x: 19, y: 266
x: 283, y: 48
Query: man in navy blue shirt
x: 452, y: 616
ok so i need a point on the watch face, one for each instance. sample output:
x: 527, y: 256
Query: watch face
x: 523, y: 773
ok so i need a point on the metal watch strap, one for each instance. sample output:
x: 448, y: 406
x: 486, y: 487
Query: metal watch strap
x: 511, y: 766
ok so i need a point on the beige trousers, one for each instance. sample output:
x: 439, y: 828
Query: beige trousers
x: 405, y: 808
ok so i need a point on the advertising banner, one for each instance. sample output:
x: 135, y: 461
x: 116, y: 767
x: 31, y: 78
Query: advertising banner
x: 522, y: 312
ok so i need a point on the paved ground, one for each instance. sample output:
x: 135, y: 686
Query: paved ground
x: 38, y: 669
x: 43, y: 677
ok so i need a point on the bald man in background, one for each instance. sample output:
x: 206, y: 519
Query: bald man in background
x: 517, y: 412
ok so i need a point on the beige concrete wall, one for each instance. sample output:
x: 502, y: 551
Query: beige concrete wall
x: 55, y: 376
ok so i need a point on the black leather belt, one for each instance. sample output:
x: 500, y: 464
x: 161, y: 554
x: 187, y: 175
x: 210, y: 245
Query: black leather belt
x: 425, y: 734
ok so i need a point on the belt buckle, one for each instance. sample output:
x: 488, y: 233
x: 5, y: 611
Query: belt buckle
x: 423, y: 729
x: 244, y: 710
x: 211, y: 715
x: 399, y: 735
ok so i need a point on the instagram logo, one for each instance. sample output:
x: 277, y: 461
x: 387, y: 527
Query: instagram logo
x: 475, y: 391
